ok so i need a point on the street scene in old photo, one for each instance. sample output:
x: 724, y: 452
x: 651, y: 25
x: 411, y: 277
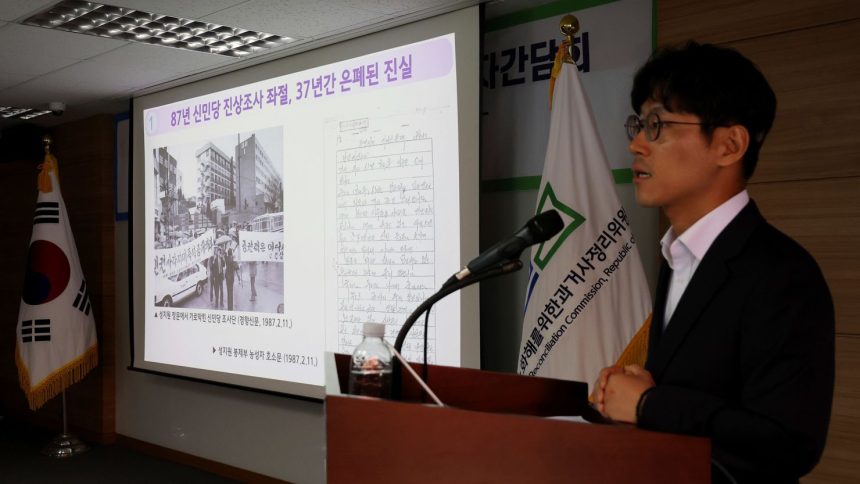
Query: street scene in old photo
x: 218, y: 223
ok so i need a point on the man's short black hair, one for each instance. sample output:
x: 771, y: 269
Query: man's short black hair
x: 717, y: 84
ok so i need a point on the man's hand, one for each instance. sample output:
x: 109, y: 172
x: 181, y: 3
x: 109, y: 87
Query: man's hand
x: 620, y: 394
x: 599, y: 395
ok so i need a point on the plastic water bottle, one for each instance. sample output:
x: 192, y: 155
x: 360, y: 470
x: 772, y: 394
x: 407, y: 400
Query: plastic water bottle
x: 370, y: 367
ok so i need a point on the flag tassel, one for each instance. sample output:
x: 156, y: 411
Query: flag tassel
x: 58, y: 380
x: 636, y: 351
x: 48, y: 166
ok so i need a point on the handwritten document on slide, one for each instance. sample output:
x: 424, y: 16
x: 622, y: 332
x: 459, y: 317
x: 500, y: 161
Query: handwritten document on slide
x: 386, y: 254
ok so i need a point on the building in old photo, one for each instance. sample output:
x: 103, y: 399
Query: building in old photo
x: 168, y: 183
x: 259, y: 187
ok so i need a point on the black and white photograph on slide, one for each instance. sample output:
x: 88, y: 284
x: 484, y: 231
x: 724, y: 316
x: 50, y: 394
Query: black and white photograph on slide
x: 218, y: 223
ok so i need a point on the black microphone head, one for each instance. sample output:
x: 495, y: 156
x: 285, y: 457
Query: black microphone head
x: 544, y: 226
x: 539, y: 229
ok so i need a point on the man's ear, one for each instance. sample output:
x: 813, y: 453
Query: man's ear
x: 733, y: 143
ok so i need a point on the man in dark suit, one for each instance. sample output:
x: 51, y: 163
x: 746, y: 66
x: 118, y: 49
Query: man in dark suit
x: 741, y: 345
x: 229, y: 277
x: 216, y: 275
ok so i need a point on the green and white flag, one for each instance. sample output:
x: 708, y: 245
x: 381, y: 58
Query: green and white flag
x: 587, y: 294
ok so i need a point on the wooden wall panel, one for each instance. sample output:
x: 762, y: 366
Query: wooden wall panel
x: 808, y: 180
x: 824, y: 217
x: 816, y: 76
x: 85, y: 153
x: 841, y: 460
x: 719, y: 21
x: 85, y: 150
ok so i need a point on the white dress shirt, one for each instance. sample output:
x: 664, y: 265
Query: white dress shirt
x: 684, y: 253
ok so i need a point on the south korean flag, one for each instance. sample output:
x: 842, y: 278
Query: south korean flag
x: 56, y: 338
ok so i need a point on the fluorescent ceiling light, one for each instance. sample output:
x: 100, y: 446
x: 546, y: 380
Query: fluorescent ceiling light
x: 22, y: 113
x: 152, y: 28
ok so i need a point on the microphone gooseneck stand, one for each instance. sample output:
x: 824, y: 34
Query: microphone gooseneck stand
x: 500, y: 269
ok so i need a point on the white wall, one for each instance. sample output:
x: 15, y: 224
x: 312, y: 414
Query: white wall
x: 272, y: 435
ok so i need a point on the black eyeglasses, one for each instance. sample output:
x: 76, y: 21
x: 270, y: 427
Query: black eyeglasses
x: 651, y: 124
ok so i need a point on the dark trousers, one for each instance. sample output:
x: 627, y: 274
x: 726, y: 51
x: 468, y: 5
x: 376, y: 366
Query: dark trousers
x: 219, y: 292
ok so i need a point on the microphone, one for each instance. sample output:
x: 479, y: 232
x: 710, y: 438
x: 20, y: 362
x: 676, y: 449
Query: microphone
x: 540, y: 228
x: 449, y: 287
x: 500, y: 259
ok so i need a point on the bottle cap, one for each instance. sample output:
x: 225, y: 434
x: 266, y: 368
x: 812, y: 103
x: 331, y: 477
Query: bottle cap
x: 375, y: 330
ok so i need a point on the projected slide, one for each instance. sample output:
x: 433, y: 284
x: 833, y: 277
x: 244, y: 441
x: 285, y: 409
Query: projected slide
x: 283, y: 214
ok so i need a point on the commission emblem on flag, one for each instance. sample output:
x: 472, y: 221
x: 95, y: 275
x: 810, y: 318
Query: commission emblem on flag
x: 547, y: 249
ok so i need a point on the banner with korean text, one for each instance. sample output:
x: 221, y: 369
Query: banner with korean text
x: 173, y: 260
x: 587, y: 294
x: 56, y: 336
x: 261, y: 246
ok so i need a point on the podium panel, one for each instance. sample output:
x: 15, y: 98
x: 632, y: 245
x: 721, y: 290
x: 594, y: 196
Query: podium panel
x: 492, y: 431
x: 487, y: 391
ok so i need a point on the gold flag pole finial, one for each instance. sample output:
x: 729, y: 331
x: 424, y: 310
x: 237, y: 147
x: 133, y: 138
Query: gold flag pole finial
x: 49, y: 164
x: 569, y: 26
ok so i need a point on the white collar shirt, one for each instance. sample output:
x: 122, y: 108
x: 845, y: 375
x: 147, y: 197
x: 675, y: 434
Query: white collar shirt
x: 684, y: 253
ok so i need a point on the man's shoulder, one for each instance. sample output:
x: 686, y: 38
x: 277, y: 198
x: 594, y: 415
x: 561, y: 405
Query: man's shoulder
x: 772, y: 257
x: 775, y: 244
x: 752, y: 237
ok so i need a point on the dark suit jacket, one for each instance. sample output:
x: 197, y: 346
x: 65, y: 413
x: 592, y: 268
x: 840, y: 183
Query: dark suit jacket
x: 748, y: 356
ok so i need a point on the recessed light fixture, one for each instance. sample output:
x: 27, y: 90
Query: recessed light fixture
x: 152, y: 28
x: 22, y: 113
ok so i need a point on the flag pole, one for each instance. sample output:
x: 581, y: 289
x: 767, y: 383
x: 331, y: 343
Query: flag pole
x: 65, y: 444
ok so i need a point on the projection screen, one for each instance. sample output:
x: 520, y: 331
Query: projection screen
x: 277, y: 208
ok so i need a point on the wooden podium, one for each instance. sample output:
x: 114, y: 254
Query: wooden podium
x: 493, y: 430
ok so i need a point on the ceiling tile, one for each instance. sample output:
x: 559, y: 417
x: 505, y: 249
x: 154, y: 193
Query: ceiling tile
x: 25, y: 39
x: 10, y: 79
x: 161, y: 60
x: 31, y: 61
x: 42, y: 90
x: 113, y: 74
x: 21, y: 9
x: 74, y: 86
x: 191, y: 9
x: 293, y: 18
x: 96, y: 76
